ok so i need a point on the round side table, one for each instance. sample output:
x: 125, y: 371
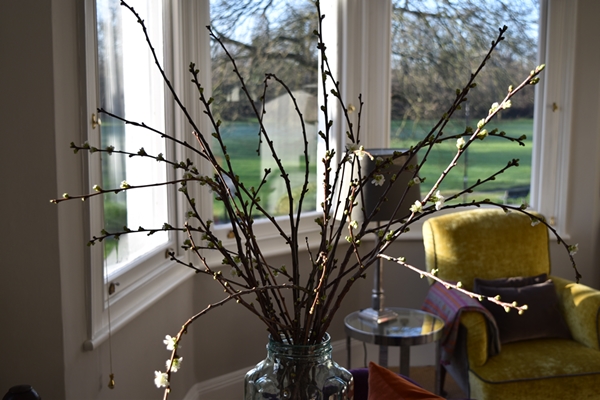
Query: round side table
x: 411, y: 327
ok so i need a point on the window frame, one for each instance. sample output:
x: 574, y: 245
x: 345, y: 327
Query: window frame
x: 553, y: 114
x: 370, y: 24
x: 116, y: 302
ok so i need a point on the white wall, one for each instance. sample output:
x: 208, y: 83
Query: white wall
x: 42, y: 290
x: 584, y: 218
x: 30, y: 288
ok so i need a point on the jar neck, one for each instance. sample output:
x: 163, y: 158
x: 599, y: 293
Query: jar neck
x: 313, y: 351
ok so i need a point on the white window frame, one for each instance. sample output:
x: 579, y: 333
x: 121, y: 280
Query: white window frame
x: 349, y: 50
x: 551, y: 151
x: 369, y: 35
x: 553, y: 116
x: 361, y: 33
x: 155, y: 275
x: 270, y: 239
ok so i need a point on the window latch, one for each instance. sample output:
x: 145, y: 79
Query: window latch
x: 112, y: 288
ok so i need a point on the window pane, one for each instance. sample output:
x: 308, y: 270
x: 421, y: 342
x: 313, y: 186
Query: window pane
x: 131, y: 87
x: 266, y: 37
x: 435, y: 47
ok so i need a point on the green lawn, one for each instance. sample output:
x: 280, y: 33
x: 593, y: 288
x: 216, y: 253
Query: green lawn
x: 242, y: 142
x: 241, y: 139
x: 482, y: 159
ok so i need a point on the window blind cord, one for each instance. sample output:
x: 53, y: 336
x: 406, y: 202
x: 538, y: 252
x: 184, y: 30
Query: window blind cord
x: 111, y: 289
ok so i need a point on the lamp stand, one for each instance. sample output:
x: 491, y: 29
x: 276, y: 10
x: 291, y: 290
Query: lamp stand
x: 377, y: 313
x: 384, y: 203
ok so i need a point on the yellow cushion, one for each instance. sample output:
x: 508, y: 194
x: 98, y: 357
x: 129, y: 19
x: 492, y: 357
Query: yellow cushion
x: 538, y: 369
x: 460, y: 254
x: 559, y: 388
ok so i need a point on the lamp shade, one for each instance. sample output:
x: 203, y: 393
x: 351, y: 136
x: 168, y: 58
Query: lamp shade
x: 374, y: 196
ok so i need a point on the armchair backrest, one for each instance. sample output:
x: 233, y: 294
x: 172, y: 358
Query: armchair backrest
x: 485, y: 243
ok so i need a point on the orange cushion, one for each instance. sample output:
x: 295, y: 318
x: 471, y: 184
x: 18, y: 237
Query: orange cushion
x: 387, y: 385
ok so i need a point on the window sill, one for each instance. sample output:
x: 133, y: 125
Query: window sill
x: 272, y: 244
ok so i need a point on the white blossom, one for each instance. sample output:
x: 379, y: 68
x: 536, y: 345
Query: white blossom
x: 358, y: 151
x: 353, y: 224
x: 161, y: 379
x: 378, y: 180
x: 124, y: 185
x: 171, y: 342
x: 460, y: 143
x: 573, y: 249
x: 417, y: 207
x: 439, y: 200
x: 506, y: 104
x: 176, y: 364
x: 493, y: 108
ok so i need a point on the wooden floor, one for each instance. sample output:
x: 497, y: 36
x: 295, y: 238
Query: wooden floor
x: 425, y: 376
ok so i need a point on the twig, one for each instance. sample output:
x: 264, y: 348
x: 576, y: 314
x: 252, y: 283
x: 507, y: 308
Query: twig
x: 457, y: 286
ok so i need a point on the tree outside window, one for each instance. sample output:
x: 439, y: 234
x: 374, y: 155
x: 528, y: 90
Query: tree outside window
x: 266, y: 37
x: 435, y: 46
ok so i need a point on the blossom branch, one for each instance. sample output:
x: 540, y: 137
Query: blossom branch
x: 457, y: 286
x: 144, y: 126
x: 173, y: 343
x: 480, y: 132
x: 98, y: 190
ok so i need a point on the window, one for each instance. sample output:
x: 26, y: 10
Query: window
x: 129, y: 272
x: 549, y: 187
x: 357, y: 33
x: 266, y: 37
x: 131, y: 87
x: 435, y: 46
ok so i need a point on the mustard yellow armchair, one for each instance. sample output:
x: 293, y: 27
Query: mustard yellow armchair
x: 490, y: 244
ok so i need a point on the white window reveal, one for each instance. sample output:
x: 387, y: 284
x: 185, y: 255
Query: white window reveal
x: 130, y: 271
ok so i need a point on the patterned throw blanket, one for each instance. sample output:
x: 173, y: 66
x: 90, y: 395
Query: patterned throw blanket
x: 449, y: 305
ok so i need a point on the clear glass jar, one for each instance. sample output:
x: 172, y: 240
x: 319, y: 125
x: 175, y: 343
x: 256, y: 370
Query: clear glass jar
x: 298, y: 372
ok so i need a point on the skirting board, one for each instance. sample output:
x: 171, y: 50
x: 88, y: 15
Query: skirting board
x: 231, y: 386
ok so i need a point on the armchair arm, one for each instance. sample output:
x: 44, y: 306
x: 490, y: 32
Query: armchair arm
x: 581, y: 307
x: 477, y: 337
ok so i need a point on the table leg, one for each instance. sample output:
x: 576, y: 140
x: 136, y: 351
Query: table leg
x: 439, y: 369
x: 383, y: 356
x: 405, y: 360
x: 348, y: 351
